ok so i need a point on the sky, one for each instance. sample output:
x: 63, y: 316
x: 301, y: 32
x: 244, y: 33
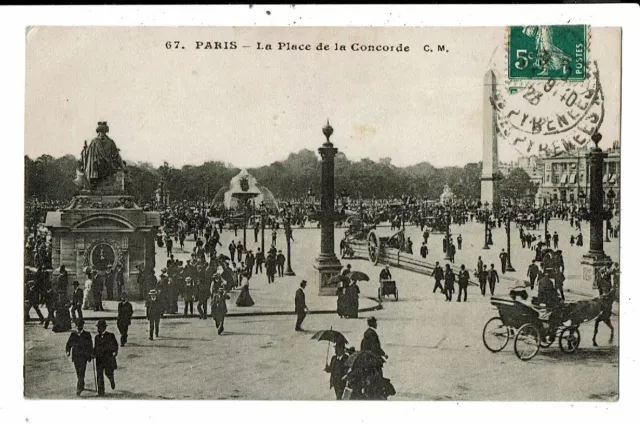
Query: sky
x: 252, y: 107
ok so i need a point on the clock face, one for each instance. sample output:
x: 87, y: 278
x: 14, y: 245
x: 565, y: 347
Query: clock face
x: 102, y: 257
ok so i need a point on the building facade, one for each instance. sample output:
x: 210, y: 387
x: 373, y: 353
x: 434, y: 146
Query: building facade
x: 565, y: 177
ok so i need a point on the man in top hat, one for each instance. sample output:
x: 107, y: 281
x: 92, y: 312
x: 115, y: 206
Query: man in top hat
x: 105, y: 350
x: 219, y: 308
x: 338, y: 369
x: 80, y: 347
x: 76, y: 301
x: 125, y: 312
x: 301, y: 305
x: 371, y: 341
x: 155, y: 309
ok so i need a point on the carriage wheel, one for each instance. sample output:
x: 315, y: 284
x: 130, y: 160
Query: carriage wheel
x: 527, y: 342
x: 547, y: 339
x: 495, y: 335
x: 374, y: 247
x: 396, y: 294
x: 569, y: 340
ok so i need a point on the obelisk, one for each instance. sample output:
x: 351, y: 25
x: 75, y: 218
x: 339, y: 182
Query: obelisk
x: 489, y: 142
x: 327, y: 263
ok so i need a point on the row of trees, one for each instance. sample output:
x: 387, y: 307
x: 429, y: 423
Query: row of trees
x: 50, y: 178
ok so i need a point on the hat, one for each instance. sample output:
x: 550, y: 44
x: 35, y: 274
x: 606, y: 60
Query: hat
x: 75, y: 283
x: 79, y: 321
x: 153, y: 291
x: 386, y: 266
x: 371, y: 319
x: 101, y: 323
x: 303, y: 282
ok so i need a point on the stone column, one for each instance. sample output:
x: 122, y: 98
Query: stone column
x: 489, y: 142
x: 327, y: 263
x: 595, y: 258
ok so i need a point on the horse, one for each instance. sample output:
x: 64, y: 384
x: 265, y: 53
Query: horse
x: 598, y: 308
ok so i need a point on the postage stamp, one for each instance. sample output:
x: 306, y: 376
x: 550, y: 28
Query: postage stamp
x: 543, y: 52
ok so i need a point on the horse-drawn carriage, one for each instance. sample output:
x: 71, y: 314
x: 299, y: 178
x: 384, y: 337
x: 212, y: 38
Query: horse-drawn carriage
x: 436, y: 224
x: 536, y: 325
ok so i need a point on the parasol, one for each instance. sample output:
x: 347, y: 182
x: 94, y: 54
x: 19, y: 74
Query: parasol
x: 358, y: 276
x: 364, y: 359
x: 337, y: 279
x: 332, y: 336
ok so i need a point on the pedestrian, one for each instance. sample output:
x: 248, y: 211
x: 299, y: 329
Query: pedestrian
x: 503, y: 260
x: 572, y: 240
x: 256, y: 231
x: 352, y: 292
x: 579, y: 241
x: 155, y: 308
x: 76, y: 301
x: 483, y: 274
x: 532, y: 272
x: 274, y: 237
x: 96, y: 287
x: 409, y: 246
x: 424, y: 250
x: 259, y: 260
x: 280, y: 261
x: 438, y: 275
x: 463, y: 282
x: 300, y: 305
x: 202, y: 295
x: 338, y: 369
x: 239, y: 250
x: 105, y: 350
x: 32, y: 301
x: 119, y: 278
x: 449, y: 280
x: 80, y: 348
x: 219, y: 308
x: 556, y: 238
x: 452, y: 252
x: 371, y: 341
x: 559, y: 283
x: 232, y: 251
x: 169, y: 243
x: 62, y: 322
x: 188, y: 294
x: 459, y: 239
x: 49, y: 300
x: 271, y: 268
x: 108, y: 283
x: 63, y: 280
x: 125, y: 312
x: 493, y: 279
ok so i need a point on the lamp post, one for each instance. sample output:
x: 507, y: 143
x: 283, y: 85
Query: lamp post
x: 288, y: 231
x: 486, y: 213
x: 508, y: 217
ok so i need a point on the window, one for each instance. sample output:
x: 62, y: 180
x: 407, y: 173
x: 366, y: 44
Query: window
x: 556, y: 179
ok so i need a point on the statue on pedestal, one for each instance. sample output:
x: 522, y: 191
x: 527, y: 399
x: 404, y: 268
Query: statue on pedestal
x: 99, y: 160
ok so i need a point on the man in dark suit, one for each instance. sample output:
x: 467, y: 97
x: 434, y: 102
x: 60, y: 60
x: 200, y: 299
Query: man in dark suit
x: 125, y: 312
x: 533, y: 273
x: 493, y: 279
x: 438, y: 274
x: 463, y: 282
x: 423, y: 250
x: 301, y: 305
x: 503, y: 260
x: 280, y: 261
x: 105, y: 350
x: 76, y: 301
x: 370, y: 341
x: 80, y: 347
x: 338, y: 369
x: 155, y: 309
x: 483, y: 274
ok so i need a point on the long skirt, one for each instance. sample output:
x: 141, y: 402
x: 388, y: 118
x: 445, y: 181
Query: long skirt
x: 87, y: 301
x: 62, y: 320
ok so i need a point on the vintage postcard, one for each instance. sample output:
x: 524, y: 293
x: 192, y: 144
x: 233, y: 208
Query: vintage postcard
x: 322, y: 213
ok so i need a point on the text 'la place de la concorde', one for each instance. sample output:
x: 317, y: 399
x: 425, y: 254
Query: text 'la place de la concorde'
x: 294, y: 46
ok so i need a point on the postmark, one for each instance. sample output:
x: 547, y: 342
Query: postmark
x: 548, y: 52
x: 551, y: 116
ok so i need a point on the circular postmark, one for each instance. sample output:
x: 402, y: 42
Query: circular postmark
x: 552, y: 115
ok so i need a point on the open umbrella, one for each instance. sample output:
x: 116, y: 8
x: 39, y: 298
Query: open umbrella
x: 358, y: 276
x: 332, y: 336
x: 337, y: 279
x: 364, y: 359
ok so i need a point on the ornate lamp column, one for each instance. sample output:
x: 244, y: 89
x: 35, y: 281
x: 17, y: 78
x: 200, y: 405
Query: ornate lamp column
x: 327, y: 263
x: 595, y: 258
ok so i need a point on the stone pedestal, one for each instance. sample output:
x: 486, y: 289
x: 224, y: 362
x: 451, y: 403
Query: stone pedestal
x: 327, y: 268
x: 590, y: 266
x: 98, y: 231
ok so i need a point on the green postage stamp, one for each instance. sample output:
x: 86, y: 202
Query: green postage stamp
x: 548, y: 52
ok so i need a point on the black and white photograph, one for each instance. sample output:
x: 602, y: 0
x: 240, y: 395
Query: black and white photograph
x: 323, y: 213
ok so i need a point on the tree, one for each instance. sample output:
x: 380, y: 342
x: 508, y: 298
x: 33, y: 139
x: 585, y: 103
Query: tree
x: 517, y: 185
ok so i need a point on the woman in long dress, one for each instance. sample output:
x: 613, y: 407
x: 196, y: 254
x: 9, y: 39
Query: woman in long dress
x: 342, y: 302
x: 353, y: 301
x: 62, y: 321
x: 244, y: 299
x: 87, y: 301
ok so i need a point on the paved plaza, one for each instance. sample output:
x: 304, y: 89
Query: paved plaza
x: 435, y: 348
